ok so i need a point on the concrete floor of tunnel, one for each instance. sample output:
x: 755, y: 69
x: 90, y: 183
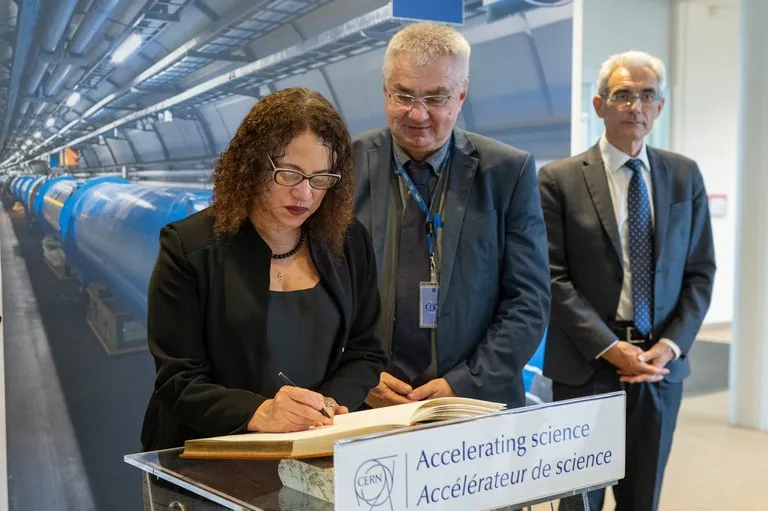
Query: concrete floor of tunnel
x: 105, y: 396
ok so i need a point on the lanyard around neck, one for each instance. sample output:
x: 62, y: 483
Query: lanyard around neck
x: 433, y: 222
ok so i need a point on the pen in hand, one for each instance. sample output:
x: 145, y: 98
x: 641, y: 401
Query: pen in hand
x: 289, y: 382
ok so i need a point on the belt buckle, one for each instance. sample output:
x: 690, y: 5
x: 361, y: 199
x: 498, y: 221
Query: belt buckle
x: 630, y: 340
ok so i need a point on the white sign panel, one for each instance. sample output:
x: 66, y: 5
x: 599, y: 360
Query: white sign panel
x: 507, y: 458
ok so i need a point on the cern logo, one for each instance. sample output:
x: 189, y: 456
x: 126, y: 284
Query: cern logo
x: 431, y: 306
x: 374, y: 480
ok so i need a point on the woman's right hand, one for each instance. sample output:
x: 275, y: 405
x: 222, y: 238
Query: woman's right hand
x: 292, y: 409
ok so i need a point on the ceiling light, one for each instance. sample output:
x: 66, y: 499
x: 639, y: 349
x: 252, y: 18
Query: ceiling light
x: 130, y: 45
x: 73, y: 99
x: 50, y: 122
x: 38, y: 134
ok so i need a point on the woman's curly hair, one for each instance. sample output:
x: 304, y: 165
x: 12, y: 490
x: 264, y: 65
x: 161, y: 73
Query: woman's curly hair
x: 243, y: 171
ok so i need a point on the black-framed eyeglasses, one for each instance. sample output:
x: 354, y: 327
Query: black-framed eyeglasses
x: 627, y: 98
x: 292, y: 177
x: 408, y: 100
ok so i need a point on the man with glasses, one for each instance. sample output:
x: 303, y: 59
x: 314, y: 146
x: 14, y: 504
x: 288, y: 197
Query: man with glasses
x: 632, y: 264
x: 457, y: 230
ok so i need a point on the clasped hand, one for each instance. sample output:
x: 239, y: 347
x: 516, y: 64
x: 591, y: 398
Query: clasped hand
x: 635, y: 365
x: 393, y: 391
x: 294, y: 409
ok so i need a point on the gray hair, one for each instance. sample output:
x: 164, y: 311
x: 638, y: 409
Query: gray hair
x: 630, y: 60
x: 426, y: 43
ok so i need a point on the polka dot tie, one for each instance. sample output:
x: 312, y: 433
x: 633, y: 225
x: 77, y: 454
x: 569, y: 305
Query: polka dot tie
x: 640, y: 248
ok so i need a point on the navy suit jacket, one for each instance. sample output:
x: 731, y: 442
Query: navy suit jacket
x: 494, y: 275
x: 586, y: 261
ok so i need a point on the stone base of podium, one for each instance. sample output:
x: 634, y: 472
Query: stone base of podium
x: 313, y: 476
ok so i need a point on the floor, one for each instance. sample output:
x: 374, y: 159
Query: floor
x: 72, y: 411
x: 715, y: 466
x: 39, y: 430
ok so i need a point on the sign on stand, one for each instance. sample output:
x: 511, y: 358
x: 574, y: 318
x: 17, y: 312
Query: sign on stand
x: 514, y: 457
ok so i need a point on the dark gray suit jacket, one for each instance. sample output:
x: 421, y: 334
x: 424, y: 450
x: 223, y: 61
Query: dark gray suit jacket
x: 494, y: 276
x: 586, y: 261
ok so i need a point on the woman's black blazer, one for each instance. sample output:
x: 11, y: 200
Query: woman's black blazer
x: 207, y: 314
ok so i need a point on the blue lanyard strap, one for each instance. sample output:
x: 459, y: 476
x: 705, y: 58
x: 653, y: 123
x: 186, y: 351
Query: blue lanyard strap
x: 432, y: 225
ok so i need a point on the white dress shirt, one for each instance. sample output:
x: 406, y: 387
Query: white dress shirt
x: 619, y: 175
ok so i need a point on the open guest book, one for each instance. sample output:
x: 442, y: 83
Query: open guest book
x: 318, y: 442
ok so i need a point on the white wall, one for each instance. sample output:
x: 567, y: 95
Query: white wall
x: 704, y: 118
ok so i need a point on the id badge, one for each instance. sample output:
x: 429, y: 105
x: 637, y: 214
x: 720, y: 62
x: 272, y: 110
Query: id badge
x: 428, y: 304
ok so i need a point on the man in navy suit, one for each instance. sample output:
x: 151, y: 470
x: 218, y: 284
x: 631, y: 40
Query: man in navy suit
x: 458, y: 232
x: 632, y: 264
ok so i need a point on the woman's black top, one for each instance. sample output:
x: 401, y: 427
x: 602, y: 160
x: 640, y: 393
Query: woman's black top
x: 208, y: 322
x: 301, y: 328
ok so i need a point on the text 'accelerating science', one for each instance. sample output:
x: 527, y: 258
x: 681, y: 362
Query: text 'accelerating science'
x: 524, y: 446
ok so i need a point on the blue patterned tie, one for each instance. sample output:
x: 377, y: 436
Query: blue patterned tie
x: 640, y: 248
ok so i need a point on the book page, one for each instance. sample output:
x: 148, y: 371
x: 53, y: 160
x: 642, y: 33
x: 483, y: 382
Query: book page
x: 440, y: 410
x: 397, y: 415
x: 463, y: 401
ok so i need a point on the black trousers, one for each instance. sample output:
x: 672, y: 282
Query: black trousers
x: 652, y: 410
